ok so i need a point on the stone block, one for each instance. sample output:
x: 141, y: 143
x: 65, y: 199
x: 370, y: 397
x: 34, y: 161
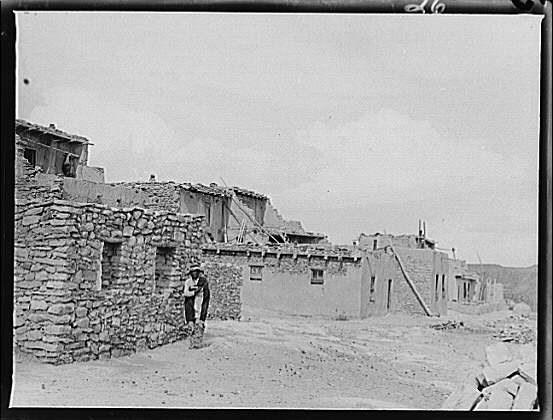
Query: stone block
x: 52, y: 347
x: 81, y: 312
x: 29, y: 284
x: 38, y: 305
x: 55, y: 284
x: 82, y: 322
x: 497, y: 399
x: 463, y: 399
x: 529, y: 371
x: 35, y: 335
x: 42, y: 275
x: 61, y: 308
x: 128, y: 231
x: 495, y: 373
x: 526, y: 397
x: 104, y: 348
x: 506, y: 385
x: 57, y: 329
x: 30, y: 220
x: 498, y: 353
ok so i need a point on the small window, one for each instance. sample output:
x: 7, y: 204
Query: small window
x: 164, y: 263
x: 443, y: 286
x: 436, y: 288
x: 256, y: 272
x: 375, y: 243
x: 30, y: 155
x: 317, y: 276
x: 111, y: 256
x: 371, y: 289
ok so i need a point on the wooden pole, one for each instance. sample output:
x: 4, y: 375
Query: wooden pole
x: 248, y: 216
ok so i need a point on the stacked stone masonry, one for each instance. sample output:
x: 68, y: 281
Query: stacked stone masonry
x: 86, y: 284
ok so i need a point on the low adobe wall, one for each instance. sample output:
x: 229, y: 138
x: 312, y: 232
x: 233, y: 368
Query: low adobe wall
x: 285, y: 281
x: 85, y: 282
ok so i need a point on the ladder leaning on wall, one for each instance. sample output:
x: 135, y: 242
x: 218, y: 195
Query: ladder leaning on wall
x: 240, y: 237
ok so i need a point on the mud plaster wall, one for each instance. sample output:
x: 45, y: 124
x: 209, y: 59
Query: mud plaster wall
x: 83, y: 191
x: 62, y: 313
x: 383, y: 267
x: 422, y: 265
x: 195, y: 202
x: 286, y: 284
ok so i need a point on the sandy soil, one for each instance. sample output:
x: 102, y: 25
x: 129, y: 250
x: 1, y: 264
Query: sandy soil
x: 265, y: 360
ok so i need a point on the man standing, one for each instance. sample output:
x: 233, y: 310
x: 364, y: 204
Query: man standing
x: 196, y: 303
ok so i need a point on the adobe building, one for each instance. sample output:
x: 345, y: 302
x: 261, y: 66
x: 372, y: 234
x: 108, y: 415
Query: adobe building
x: 232, y: 214
x: 56, y: 151
x: 329, y: 282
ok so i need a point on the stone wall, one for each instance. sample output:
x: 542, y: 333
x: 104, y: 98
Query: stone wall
x: 225, y: 282
x: 162, y: 195
x: 85, y: 283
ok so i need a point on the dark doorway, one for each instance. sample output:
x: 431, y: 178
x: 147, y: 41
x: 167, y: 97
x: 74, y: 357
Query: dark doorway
x: 389, y: 299
x: 30, y: 155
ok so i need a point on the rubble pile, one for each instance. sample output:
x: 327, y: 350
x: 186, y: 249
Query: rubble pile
x: 517, y: 334
x: 448, y: 325
x: 515, y: 330
x: 507, y: 382
x: 225, y: 280
x: 88, y: 281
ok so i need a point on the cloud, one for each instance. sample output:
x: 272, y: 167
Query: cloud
x: 385, y: 170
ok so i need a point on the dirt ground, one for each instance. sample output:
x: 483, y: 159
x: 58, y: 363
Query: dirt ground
x: 269, y: 360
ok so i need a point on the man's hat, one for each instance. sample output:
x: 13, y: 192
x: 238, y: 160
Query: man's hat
x: 194, y: 267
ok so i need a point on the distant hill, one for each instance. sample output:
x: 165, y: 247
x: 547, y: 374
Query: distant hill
x: 520, y: 283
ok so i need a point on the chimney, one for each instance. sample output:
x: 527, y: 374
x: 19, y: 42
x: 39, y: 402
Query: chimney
x: 52, y: 125
x: 152, y: 178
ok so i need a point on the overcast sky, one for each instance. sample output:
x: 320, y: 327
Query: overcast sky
x: 350, y: 123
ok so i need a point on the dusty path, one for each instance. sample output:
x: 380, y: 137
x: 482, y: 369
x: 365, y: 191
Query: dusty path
x: 266, y: 361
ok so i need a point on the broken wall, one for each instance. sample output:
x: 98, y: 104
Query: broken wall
x: 162, y: 195
x: 209, y: 205
x: 31, y: 183
x: 85, y: 284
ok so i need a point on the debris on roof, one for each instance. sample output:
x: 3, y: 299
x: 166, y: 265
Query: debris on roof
x: 22, y: 125
x: 212, y: 189
x: 249, y: 193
